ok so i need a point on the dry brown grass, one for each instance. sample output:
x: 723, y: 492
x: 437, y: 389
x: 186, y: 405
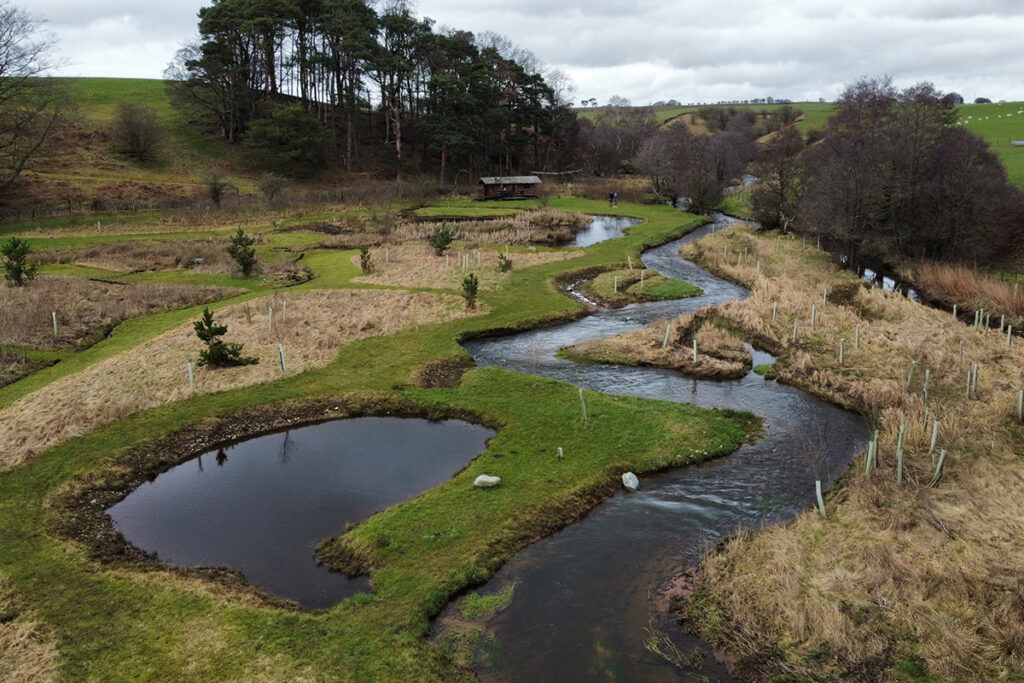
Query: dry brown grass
x: 87, y: 309
x: 720, y: 354
x: 311, y: 325
x: 14, y: 366
x: 26, y: 652
x: 897, y: 571
x: 533, y: 227
x: 149, y: 255
x: 416, y: 265
x: 970, y: 289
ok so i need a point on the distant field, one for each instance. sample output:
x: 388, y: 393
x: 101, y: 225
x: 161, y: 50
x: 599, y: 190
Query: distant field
x: 999, y: 124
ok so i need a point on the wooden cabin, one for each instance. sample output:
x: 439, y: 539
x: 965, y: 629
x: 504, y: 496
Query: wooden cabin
x: 510, y: 187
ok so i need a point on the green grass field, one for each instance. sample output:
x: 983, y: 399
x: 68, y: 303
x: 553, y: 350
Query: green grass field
x: 999, y: 124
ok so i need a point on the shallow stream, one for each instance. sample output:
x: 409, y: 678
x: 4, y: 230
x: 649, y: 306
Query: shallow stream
x: 585, y: 597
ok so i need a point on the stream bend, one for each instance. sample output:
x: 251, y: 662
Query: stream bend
x: 584, y: 597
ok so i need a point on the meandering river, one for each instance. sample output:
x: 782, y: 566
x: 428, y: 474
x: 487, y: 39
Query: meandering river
x: 585, y: 597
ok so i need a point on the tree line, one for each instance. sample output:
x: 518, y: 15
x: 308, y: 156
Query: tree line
x: 312, y: 81
x: 895, y: 176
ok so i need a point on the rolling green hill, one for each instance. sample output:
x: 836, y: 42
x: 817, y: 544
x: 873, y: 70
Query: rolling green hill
x: 1000, y: 124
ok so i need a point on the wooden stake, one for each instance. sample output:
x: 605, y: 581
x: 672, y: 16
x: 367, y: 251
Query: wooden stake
x: 812, y: 315
x: 629, y: 260
x: 856, y: 337
x: 794, y: 331
x: 961, y: 353
x: 775, y: 309
x: 284, y: 311
x: 824, y: 296
x: 841, y: 341
x: 248, y: 313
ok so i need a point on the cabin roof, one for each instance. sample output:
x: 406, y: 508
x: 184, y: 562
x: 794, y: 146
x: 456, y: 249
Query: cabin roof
x: 511, y: 180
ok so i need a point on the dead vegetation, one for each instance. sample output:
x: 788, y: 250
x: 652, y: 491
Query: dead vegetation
x: 720, y: 354
x: 87, y: 309
x: 310, y: 325
x: 547, y: 227
x: 14, y: 366
x: 912, y: 575
x: 26, y: 652
x: 416, y: 265
x: 201, y: 255
x: 972, y: 290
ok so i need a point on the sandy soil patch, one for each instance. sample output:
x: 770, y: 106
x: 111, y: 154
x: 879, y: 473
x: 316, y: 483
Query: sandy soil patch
x: 416, y: 265
x: 310, y: 325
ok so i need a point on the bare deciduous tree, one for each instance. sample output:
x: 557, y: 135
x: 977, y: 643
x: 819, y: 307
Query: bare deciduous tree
x: 32, y: 108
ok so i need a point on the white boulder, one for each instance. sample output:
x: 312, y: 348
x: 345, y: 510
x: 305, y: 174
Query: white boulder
x: 630, y: 481
x: 486, y: 481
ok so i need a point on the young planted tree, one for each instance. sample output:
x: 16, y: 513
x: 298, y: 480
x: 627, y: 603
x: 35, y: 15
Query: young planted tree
x: 242, y: 250
x: 365, y: 264
x: 17, y: 270
x: 470, y: 285
x: 441, y: 239
x: 218, y: 353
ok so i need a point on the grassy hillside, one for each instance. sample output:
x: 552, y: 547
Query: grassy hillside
x: 86, y: 172
x: 999, y: 124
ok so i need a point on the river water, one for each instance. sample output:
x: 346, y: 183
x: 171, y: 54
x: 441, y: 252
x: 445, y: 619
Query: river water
x: 584, y: 597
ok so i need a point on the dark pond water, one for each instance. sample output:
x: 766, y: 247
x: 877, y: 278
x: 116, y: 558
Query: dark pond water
x: 262, y: 505
x: 583, y: 597
x: 603, y: 228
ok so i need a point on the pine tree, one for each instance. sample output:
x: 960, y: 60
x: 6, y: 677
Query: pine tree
x: 218, y: 353
x: 243, y: 252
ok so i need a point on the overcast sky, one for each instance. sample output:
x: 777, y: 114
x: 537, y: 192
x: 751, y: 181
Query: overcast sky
x: 645, y: 50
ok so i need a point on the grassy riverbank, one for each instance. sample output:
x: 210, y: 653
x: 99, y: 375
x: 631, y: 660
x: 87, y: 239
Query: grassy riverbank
x: 76, y: 606
x: 903, y: 579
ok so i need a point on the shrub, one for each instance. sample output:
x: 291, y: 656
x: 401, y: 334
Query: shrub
x: 16, y: 270
x: 243, y: 251
x: 271, y: 185
x: 504, y: 263
x: 364, y: 259
x: 218, y: 353
x: 441, y: 239
x: 137, y: 131
x: 470, y: 285
x: 217, y: 186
